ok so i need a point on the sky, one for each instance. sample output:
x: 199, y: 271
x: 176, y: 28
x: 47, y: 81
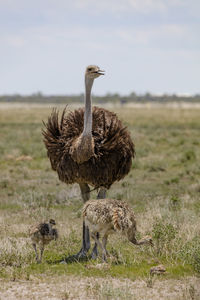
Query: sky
x: 143, y: 46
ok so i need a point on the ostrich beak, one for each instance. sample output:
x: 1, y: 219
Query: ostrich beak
x: 101, y: 72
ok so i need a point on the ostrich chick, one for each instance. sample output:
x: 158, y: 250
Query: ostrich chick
x: 42, y: 234
x: 106, y: 216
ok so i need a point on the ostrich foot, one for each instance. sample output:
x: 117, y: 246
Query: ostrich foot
x: 82, y: 254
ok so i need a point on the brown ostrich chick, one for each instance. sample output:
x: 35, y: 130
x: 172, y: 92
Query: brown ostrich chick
x: 42, y: 234
x: 106, y: 216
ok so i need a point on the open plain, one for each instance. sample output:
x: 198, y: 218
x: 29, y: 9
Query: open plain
x: 163, y: 188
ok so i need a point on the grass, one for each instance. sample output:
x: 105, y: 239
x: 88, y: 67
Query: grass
x: 163, y: 189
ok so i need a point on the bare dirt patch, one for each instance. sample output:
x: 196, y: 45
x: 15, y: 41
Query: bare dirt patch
x: 98, y: 288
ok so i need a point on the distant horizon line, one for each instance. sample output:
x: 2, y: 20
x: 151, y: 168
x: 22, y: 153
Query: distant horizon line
x: 108, y: 94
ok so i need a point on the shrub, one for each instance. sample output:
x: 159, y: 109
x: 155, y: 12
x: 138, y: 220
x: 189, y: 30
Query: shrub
x: 191, y: 253
x: 163, y: 234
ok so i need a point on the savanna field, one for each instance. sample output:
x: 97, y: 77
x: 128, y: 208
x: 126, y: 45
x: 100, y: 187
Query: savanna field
x: 163, y: 188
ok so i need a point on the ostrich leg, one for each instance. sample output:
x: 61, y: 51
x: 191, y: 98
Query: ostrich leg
x: 82, y: 254
x: 41, y: 252
x: 94, y: 253
x: 36, y: 254
x: 101, y: 195
x: 97, y: 241
x: 85, y: 193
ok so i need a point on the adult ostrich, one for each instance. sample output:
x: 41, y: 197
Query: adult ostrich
x: 89, y: 146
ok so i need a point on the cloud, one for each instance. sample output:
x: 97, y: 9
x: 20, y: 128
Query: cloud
x: 166, y: 36
x: 95, y: 6
x: 133, y: 6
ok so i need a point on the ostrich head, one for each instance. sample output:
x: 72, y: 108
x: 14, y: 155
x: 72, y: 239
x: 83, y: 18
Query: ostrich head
x: 52, y: 222
x: 146, y: 240
x: 93, y: 72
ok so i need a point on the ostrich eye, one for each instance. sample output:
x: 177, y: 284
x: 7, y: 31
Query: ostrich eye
x: 90, y: 69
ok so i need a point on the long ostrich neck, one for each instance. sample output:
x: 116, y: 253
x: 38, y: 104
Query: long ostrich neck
x: 140, y: 242
x: 87, y: 130
x: 84, y: 146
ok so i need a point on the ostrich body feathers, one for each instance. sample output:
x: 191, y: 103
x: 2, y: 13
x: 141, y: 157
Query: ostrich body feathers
x: 109, y: 215
x: 43, y: 233
x: 113, y: 147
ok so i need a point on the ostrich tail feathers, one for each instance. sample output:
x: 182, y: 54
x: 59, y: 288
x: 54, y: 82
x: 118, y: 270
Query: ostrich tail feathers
x: 53, y: 127
x: 123, y: 217
x: 53, y: 136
